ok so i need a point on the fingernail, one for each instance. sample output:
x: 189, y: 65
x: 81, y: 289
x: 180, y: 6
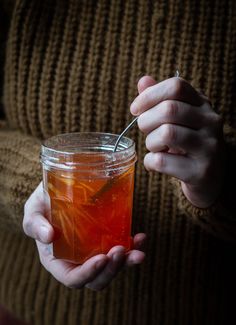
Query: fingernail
x: 44, y: 233
x: 100, y: 264
x: 134, y: 108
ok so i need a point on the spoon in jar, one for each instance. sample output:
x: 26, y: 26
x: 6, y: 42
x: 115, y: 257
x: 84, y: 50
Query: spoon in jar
x: 110, y: 181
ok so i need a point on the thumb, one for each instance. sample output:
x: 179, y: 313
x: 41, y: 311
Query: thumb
x: 145, y: 82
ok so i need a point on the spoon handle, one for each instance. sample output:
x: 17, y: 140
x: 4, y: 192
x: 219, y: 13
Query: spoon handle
x: 124, y: 132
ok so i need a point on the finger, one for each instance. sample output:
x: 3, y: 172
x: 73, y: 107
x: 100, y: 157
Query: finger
x: 145, y: 82
x: 134, y: 257
x: 37, y: 227
x: 68, y: 273
x: 35, y: 224
x: 172, y: 89
x: 118, y: 259
x: 204, y: 97
x: 115, y: 264
x: 140, y: 241
x: 171, y: 111
x: 180, y: 167
x: 175, y: 137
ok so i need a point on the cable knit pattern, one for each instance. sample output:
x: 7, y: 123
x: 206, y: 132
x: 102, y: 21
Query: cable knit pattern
x: 217, y: 219
x: 74, y: 66
x: 19, y: 175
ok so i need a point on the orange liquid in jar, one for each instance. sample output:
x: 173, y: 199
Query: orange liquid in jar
x: 90, y: 215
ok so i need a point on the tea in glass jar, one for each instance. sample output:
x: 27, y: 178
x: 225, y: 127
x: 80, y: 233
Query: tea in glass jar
x: 90, y: 191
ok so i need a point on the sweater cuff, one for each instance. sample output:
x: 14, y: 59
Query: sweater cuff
x: 219, y: 219
x: 20, y: 173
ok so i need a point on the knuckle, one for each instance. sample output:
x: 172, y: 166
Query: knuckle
x: 169, y: 133
x: 177, y: 87
x: 171, y: 110
x: 159, y: 161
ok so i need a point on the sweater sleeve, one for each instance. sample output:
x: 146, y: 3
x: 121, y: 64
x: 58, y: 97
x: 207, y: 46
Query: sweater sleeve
x: 220, y: 218
x: 20, y: 173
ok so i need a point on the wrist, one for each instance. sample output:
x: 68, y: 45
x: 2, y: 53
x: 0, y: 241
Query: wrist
x: 201, y: 197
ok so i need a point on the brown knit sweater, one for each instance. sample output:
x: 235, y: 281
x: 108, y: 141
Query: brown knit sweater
x: 73, y: 66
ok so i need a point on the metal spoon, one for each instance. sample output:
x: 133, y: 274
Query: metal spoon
x: 110, y: 181
x: 124, y: 132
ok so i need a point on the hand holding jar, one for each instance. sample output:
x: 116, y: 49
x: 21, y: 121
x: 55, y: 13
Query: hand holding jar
x: 84, y: 210
x: 97, y: 272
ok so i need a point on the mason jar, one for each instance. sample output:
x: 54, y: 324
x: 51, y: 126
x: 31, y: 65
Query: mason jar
x: 90, y: 193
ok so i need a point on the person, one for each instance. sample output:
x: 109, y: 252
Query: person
x: 185, y: 139
x: 73, y: 66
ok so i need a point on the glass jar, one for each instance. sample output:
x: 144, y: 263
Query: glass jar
x: 90, y: 191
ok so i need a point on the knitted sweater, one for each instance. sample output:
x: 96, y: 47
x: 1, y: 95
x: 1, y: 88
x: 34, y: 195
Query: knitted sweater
x: 73, y: 66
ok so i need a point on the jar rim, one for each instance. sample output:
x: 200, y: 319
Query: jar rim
x: 46, y: 143
x: 65, y: 151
